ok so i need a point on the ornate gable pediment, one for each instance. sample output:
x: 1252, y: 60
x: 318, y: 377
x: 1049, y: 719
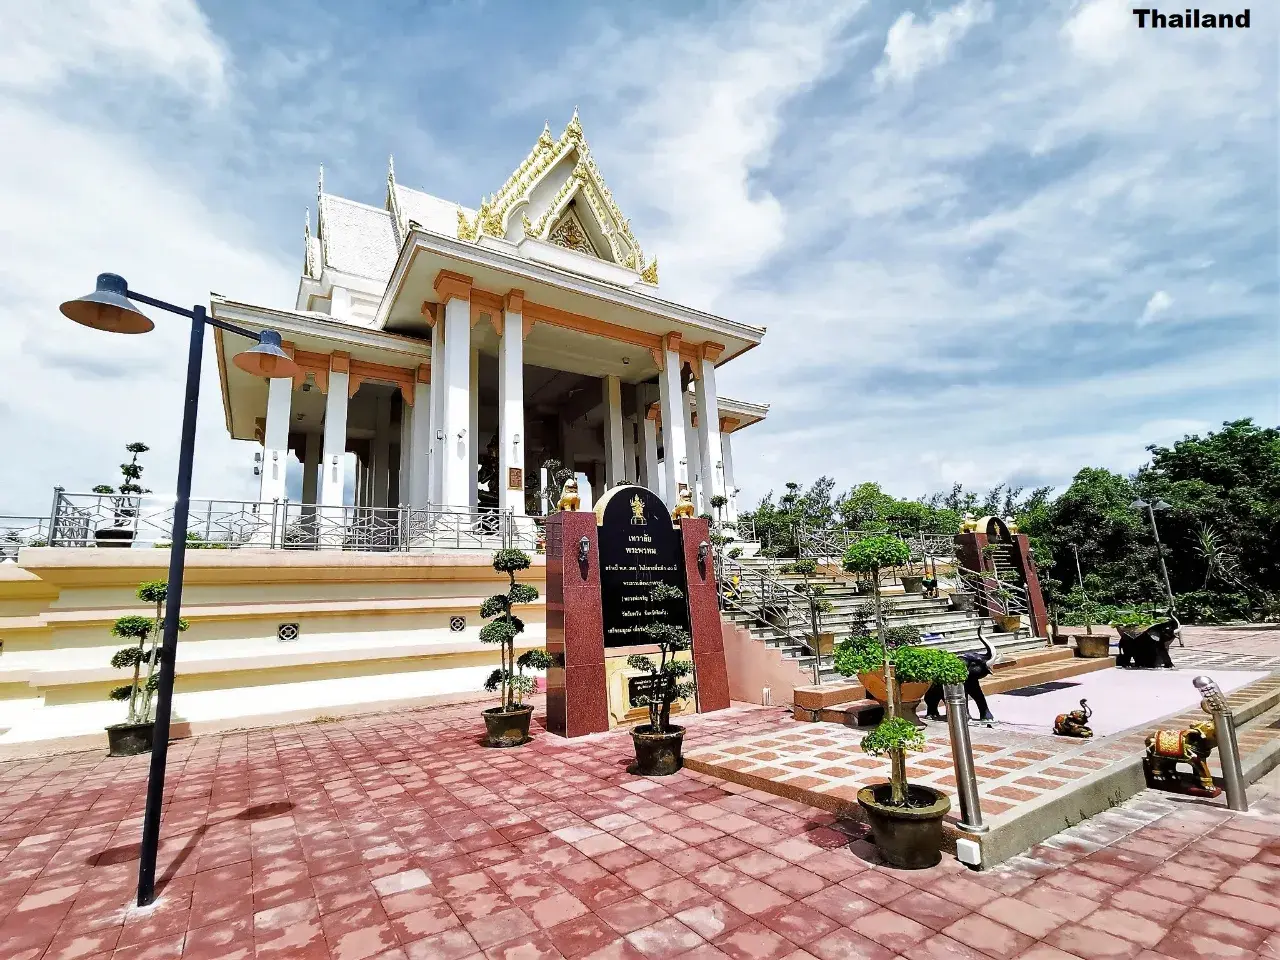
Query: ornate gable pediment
x: 581, y: 196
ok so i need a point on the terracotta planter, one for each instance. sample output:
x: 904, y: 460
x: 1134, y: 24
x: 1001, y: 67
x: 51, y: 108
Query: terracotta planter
x: 507, y: 728
x: 1092, y: 646
x: 962, y: 600
x: 657, y: 754
x: 1007, y: 624
x: 909, y: 838
x: 130, y: 739
x: 911, y: 585
x: 909, y: 694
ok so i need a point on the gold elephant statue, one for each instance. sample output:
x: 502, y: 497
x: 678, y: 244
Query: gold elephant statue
x: 684, y: 505
x: 1075, y: 723
x: 969, y: 523
x: 1168, y: 748
x: 569, y: 499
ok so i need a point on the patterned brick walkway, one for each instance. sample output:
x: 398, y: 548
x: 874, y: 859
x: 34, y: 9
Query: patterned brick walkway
x: 823, y: 764
x: 400, y: 837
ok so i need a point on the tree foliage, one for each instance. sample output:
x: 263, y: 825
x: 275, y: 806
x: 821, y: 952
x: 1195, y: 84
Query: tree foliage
x: 1221, y: 535
x: 504, y: 627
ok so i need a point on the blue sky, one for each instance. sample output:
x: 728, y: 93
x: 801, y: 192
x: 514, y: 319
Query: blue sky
x: 991, y: 242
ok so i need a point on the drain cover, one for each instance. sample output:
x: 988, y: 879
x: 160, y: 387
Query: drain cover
x: 1038, y: 688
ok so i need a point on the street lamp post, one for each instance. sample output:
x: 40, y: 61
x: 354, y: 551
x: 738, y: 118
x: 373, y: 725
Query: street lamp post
x: 1151, y: 509
x: 109, y: 308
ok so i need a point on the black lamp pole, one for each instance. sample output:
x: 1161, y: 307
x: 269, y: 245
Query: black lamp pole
x: 108, y: 308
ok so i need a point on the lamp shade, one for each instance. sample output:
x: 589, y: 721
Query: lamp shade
x: 267, y: 358
x: 1139, y: 504
x: 108, y: 308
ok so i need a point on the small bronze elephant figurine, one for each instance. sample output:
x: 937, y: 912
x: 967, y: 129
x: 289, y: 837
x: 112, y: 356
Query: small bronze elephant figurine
x: 1075, y: 723
x: 1168, y: 748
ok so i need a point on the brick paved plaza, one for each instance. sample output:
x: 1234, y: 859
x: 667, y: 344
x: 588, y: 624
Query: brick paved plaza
x: 399, y: 836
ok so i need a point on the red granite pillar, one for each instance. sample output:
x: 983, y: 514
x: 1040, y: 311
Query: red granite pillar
x: 1035, y: 599
x: 577, y: 701
x: 704, y: 617
x: 969, y: 548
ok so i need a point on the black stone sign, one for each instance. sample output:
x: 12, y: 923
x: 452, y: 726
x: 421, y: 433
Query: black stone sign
x: 639, y: 547
x: 642, y: 686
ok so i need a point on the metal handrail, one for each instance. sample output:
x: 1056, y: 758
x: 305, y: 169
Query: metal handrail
x: 92, y: 519
x: 767, y: 600
x: 19, y: 531
x: 1001, y: 597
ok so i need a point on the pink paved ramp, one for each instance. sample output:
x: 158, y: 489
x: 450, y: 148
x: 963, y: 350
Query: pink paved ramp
x: 1120, y: 699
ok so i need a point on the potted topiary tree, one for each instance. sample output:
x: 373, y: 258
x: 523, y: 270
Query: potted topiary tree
x: 125, y: 503
x: 906, y: 819
x: 658, y: 743
x: 507, y: 724
x: 134, y: 736
x: 916, y: 668
x: 823, y: 642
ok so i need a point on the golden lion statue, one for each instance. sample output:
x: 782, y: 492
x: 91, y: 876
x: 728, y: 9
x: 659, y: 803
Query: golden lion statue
x: 569, y: 496
x: 684, y: 505
x: 1168, y: 748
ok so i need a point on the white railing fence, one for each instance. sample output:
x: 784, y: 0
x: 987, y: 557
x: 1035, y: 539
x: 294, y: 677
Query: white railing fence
x: 94, y: 520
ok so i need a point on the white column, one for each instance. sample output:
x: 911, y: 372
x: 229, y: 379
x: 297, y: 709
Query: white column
x: 473, y: 428
x: 416, y: 489
x: 435, y: 447
x: 614, y: 471
x: 629, y: 472
x: 275, y: 439
x: 404, y: 466
x: 709, y: 434
x: 333, y: 467
x: 649, y: 425
x: 456, y: 386
x: 670, y: 401
x: 693, y: 467
x: 311, y: 466
x: 511, y: 432
x: 380, y: 453
x: 726, y: 451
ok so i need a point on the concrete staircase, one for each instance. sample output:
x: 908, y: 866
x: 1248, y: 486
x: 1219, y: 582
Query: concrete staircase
x: 945, y: 628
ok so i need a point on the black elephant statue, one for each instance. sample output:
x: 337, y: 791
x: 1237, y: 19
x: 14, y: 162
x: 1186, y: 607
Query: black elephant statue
x: 979, y: 664
x: 1149, y: 649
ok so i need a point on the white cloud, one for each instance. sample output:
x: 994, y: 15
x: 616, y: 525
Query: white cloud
x: 1156, y: 307
x: 168, y: 39
x: 78, y: 201
x: 913, y: 46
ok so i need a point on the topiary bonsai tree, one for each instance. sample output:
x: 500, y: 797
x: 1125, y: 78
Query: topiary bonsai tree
x: 669, y: 683
x: 870, y: 555
x: 145, y: 634
x: 818, y: 605
x: 508, y: 723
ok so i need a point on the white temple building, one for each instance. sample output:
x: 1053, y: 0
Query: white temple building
x: 453, y: 350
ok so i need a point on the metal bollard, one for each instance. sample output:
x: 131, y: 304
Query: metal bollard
x: 1228, y: 749
x: 962, y: 758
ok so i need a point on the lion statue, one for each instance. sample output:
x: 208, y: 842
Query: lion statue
x: 1075, y: 723
x: 684, y: 505
x: 1168, y: 748
x: 569, y: 496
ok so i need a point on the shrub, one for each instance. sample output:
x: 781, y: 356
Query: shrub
x: 668, y: 674
x: 873, y: 554
x: 145, y: 635
x: 509, y: 680
x: 894, y: 734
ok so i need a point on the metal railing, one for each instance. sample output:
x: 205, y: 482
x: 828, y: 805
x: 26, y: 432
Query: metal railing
x: 17, y: 532
x: 1000, y: 596
x: 766, y: 600
x: 92, y: 519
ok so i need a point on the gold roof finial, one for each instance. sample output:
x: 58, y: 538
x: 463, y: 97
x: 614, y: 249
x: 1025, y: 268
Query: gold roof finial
x: 545, y: 140
x: 574, y: 130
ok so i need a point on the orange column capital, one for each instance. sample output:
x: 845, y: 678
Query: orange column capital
x: 449, y: 285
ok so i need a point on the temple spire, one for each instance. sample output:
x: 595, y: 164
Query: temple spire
x: 391, y: 168
x: 320, y: 183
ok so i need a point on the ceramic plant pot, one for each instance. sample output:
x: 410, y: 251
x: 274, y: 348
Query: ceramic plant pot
x: 657, y: 754
x: 507, y: 728
x: 909, y: 838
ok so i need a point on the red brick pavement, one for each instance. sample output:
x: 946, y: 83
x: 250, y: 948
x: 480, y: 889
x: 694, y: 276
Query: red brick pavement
x: 400, y: 837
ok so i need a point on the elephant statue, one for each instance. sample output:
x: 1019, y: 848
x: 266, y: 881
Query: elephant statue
x: 1168, y: 748
x: 979, y: 664
x: 1150, y: 648
x: 1075, y: 723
